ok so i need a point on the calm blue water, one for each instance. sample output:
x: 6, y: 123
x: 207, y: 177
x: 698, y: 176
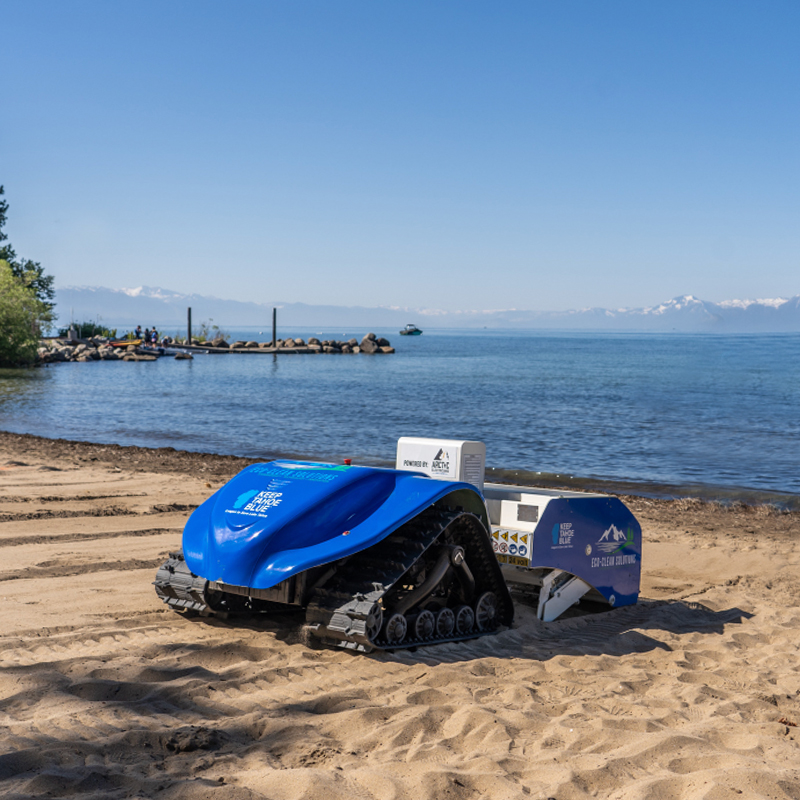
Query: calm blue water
x: 679, y: 413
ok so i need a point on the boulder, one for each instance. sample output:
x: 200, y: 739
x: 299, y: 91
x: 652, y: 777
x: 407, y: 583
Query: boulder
x: 183, y: 356
x: 299, y: 343
x: 239, y: 343
x: 383, y: 342
x: 251, y: 344
x: 83, y: 359
x: 131, y: 348
x: 368, y: 345
x: 329, y: 349
x: 110, y: 355
x: 94, y: 355
x: 352, y: 342
x: 313, y: 340
x: 346, y: 348
x: 265, y: 344
x: 219, y: 342
x: 288, y: 342
x: 387, y: 350
x: 370, y: 336
x: 356, y: 349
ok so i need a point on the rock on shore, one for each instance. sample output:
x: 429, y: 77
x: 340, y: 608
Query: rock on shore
x: 53, y: 351
x: 95, y: 349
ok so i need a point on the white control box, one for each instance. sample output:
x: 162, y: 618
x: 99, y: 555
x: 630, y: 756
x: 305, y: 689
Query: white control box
x: 446, y: 459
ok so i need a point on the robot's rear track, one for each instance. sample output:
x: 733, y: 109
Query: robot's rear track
x: 342, y: 612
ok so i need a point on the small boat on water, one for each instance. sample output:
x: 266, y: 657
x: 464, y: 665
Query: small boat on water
x: 411, y: 330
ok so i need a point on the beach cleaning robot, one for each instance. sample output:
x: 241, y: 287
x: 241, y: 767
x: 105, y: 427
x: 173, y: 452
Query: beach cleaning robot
x: 396, y: 558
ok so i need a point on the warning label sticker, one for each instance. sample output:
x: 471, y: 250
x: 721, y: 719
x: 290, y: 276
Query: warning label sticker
x: 512, y: 547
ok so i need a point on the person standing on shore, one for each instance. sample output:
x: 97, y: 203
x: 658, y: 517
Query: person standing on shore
x: 138, y: 332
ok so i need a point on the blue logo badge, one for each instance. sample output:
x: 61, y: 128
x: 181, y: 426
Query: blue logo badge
x: 244, y: 497
x: 556, y: 529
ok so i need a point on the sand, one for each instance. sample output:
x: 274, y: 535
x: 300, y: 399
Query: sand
x: 105, y: 693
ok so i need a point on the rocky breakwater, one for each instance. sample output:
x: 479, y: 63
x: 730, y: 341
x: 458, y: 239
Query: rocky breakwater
x: 55, y: 351
x: 370, y: 344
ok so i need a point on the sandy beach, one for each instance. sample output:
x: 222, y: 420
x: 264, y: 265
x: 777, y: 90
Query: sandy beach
x: 105, y: 693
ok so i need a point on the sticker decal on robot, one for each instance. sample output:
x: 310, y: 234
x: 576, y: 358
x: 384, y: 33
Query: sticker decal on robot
x: 613, y: 539
x: 320, y: 473
x: 256, y: 504
x: 562, y: 534
x: 441, y: 463
x: 613, y: 542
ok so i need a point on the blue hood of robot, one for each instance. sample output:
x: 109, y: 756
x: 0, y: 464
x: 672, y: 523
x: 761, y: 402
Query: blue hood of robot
x: 278, y: 519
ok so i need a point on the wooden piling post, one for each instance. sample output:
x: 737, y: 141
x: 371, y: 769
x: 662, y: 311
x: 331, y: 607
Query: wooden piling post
x: 274, y: 327
x: 189, y: 325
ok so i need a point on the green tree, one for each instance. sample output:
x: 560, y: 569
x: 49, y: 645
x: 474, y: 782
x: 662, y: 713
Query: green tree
x: 22, y: 317
x: 30, y: 272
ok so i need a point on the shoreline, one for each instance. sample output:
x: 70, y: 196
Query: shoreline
x: 171, y: 459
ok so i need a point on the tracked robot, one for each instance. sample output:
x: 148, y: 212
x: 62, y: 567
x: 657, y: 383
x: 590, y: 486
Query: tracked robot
x: 396, y: 558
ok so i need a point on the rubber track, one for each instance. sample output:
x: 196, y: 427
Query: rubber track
x: 338, y: 611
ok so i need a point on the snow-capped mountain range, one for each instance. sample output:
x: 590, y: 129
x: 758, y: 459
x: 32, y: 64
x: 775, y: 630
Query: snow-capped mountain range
x: 146, y: 305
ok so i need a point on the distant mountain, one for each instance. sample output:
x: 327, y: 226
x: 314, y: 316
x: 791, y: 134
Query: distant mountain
x: 147, y: 306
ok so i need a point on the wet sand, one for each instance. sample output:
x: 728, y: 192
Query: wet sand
x: 104, y: 692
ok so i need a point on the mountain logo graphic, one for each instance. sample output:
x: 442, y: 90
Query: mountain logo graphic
x: 613, y: 539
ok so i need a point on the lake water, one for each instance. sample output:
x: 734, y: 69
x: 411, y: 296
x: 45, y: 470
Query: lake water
x: 668, y: 414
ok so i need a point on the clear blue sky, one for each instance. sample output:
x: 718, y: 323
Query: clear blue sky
x: 542, y: 155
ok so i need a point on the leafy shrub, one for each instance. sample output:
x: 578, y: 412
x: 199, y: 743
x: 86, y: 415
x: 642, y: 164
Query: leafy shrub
x: 22, y: 317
